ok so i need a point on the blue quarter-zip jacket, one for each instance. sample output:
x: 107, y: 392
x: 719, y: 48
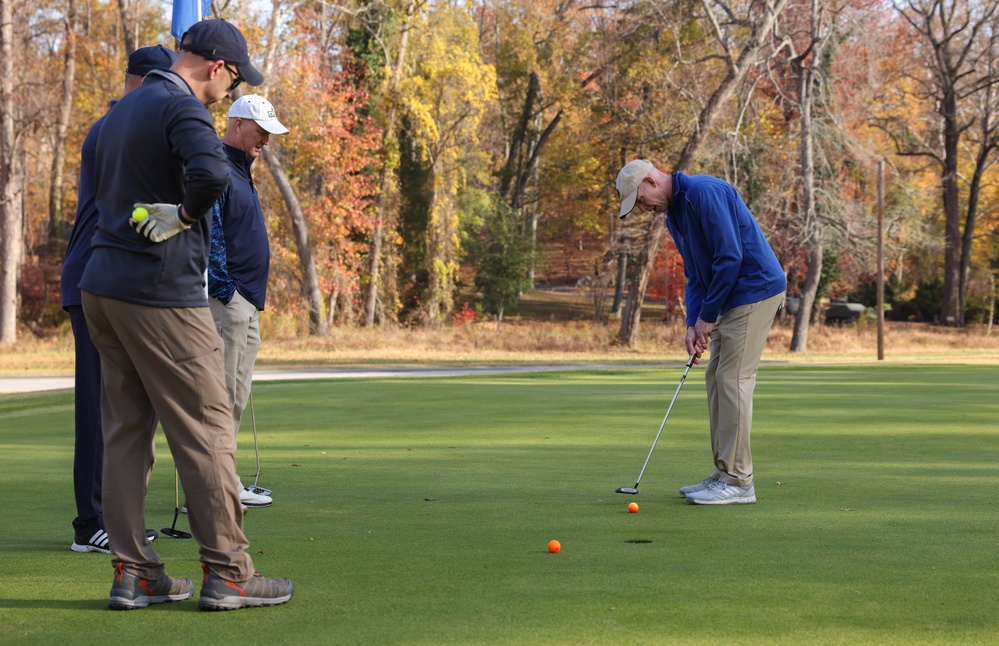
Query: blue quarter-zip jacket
x: 726, y: 259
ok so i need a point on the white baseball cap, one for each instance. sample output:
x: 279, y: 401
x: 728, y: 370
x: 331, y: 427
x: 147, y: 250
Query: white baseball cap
x: 628, y: 181
x: 251, y: 106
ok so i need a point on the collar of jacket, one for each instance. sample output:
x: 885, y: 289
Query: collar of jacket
x: 239, y: 159
x: 174, y: 78
x: 679, y: 188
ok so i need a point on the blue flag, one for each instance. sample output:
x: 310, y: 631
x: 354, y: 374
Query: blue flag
x: 188, y: 12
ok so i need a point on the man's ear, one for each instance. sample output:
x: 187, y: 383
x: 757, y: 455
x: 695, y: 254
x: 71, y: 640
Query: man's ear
x: 217, y: 67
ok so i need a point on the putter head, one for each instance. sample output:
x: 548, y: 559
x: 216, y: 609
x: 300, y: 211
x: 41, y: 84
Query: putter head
x: 260, y: 491
x: 174, y: 533
x: 631, y: 490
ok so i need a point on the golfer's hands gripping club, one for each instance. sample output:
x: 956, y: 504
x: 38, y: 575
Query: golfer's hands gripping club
x: 158, y: 222
x: 698, y: 338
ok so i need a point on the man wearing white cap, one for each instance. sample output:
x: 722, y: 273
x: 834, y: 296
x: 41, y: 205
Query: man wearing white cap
x: 240, y: 257
x: 735, y: 286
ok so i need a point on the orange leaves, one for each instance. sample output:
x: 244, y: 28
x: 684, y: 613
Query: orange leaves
x: 329, y: 155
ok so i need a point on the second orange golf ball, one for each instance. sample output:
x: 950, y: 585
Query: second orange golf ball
x: 554, y: 546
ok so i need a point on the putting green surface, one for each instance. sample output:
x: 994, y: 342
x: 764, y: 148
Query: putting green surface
x: 418, y: 511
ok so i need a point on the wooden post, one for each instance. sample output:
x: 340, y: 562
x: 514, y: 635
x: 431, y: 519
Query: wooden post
x: 881, y: 260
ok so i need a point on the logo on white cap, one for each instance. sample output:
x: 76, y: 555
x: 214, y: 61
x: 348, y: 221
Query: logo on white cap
x: 251, y: 106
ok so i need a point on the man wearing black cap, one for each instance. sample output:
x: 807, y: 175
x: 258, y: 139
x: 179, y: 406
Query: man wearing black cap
x: 88, y: 460
x: 160, y: 167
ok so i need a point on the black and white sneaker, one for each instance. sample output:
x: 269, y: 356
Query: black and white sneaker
x: 99, y: 542
x: 96, y: 543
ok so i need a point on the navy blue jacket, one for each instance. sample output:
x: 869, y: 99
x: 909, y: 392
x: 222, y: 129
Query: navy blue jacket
x: 78, y: 249
x: 726, y: 259
x: 241, y: 255
x: 157, y: 145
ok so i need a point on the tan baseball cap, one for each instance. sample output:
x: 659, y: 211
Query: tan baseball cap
x: 628, y: 181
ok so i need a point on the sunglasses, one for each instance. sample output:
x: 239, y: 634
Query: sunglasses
x: 237, y: 78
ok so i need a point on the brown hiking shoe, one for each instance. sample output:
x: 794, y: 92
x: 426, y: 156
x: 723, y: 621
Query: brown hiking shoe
x: 219, y: 594
x: 129, y: 591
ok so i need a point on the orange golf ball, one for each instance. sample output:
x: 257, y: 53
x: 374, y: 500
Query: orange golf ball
x: 554, y: 547
x: 633, y: 507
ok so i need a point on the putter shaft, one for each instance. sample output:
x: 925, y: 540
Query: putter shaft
x: 686, y: 369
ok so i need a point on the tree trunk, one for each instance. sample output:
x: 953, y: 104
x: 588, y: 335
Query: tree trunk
x: 56, y: 218
x: 534, y: 156
x: 514, y: 166
x: 313, y: 294
x: 970, y: 222
x: 738, y: 67
x: 386, y: 184
x: 805, y: 72
x: 534, y: 246
x: 622, y: 275
x: 992, y: 303
x: 802, y: 321
x: 11, y: 223
x: 950, y: 307
x: 374, y: 267
x: 127, y: 26
x: 440, y: 251
x: 646, y: 261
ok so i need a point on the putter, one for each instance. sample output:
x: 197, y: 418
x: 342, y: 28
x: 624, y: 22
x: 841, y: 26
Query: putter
x: 634, y: 490
x: 172, y: 530
x: 260, y: 491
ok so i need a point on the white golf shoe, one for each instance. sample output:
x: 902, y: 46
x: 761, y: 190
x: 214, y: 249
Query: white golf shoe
x: 689, y: 489
x: 251, y: 499
x: 722, y: 493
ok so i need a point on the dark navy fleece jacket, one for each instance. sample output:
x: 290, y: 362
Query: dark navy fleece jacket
x: 241, y: 255
x: 157, y: 145
x: 78, y: 248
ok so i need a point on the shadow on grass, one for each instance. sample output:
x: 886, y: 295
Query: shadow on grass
x: 55, y: 604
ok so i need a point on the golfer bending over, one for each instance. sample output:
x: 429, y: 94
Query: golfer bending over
x: 735, y: 286
x: 240, y: 258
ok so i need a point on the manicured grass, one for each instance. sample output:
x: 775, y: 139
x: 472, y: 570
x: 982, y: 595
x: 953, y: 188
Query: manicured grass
x: 418, y: 512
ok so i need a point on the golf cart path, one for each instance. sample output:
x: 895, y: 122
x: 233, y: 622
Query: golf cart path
x: 65, y: 382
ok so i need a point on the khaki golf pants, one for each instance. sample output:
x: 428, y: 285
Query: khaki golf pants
x: 166, y: 364
x: 737, y: 344
x: 239, y: 326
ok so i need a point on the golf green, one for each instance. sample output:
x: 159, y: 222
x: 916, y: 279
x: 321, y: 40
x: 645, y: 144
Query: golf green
x: 418, y: 511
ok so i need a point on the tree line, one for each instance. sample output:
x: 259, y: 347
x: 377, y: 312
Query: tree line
x: 438, y: 145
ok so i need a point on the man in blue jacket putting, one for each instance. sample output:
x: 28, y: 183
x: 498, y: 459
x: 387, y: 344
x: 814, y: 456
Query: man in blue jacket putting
x: 735, y: 287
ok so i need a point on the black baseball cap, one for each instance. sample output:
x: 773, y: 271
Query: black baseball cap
x: 218, y: 40
x: 146, y: 59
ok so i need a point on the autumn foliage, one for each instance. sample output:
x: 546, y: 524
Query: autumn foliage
x: 414, y: 122
x: 331, y: 158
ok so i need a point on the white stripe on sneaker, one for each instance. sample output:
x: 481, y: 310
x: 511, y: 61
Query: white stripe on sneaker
x: 100, y: 539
